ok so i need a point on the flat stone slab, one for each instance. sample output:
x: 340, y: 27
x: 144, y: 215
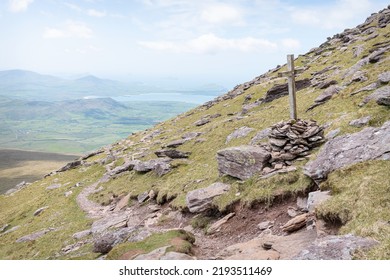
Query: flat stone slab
x: 368, y: 144
x: 201, y: 199
x: 242, y: 162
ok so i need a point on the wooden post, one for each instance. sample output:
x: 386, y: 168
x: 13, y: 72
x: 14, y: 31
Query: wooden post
x: 291, y: 87
x: 290, y: 74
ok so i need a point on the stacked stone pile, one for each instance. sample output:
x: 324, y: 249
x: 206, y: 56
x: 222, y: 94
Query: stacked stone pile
x: 292, y: 139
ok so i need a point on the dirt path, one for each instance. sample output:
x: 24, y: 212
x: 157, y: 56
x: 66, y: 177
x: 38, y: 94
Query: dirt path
x: 93, y: 209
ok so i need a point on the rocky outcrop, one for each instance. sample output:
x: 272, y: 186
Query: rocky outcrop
x: 280, y: 90
x: 70, y: 165
x: 325, y: 96
x: 381, y: 96
x: 161, y: 166
x: 201, y: 199
x: 335, y: 248
x: 368, y: 144
x: 242, y: 162
x: 316, y: 198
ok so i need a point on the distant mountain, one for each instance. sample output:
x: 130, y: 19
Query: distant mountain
x: 34, y: 86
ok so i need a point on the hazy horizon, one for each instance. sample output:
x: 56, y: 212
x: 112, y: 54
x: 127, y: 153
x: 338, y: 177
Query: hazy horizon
x: 168, y: 41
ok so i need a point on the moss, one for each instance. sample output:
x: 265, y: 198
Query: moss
x: 177, y: 240
x: 360, y: 201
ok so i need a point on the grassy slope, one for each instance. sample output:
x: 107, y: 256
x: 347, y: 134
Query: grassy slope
x: 202, y: 167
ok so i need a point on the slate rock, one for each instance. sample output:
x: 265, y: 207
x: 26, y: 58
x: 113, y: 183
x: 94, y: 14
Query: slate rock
x: 368, y: 144
x: 201, y: 199
x: 54, y: 186
x: 384, y: 78
x: 127, y: 166
x: 335, y: 247
x: 70, y: 165
x: 280, y: 90
x: 242, y: 162
x: 201, y: 122
x: 176, y: 256
x: 40, y: 210
x: 176, y: 143
x: 82, y: 234
x: 217, y: 225
x: 34, y: 236
x: 360, y: 122
x: 143, y: 197
x: 172, y: 153
x: 328, y: 93
x: 239, y: 133
x: 191, y: 135
x: 103, y: 243
x: 316, y: 198
x: 295, y: 223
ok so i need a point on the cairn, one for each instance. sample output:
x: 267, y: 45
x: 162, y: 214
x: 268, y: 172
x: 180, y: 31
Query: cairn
x: 291, y: 140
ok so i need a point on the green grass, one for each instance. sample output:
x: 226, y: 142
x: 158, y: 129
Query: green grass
x: 62, y: 213
x: 361, y: 202
x: 177, y: 240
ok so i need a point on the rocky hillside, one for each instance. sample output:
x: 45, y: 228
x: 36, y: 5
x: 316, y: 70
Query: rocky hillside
x: 234, y: 178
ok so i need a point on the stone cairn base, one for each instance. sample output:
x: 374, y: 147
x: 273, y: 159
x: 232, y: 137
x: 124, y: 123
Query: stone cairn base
x: 290, y: 140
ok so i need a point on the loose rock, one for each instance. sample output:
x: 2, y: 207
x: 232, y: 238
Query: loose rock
x: 201, y: 199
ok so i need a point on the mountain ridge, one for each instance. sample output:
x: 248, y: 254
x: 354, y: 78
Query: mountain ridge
x: 166, y: 189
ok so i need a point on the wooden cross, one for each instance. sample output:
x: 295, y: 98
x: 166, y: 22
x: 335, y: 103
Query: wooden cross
x: 290, y: 74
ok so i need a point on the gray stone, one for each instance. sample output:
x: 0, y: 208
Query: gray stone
x: 385, y: 101
x: 302, y: 203
x: 143, y: 197
x: 368, y: 144
x: 263, y: 134
x: 153, y: 255
x: 333, y: 133
x: 280, y: 90
x: 201, y: 122
x: 360, y: 122
x: 34, y: 236
x: 103, y: 243
x: 384, y: 78
x: 218, y: 224
x: 359, y: 76
x: 4, y: 228
x: 114, y: 220
x: 264, y: 225
x: 176, y: 256
x: 171, y: 153
x: 201, y: 199
x: 162, y: 168
x: 54, y: 186
x: 295, y: 223
x: 358, y: 50
x: 316, y: 198
x: 370, y: 87
x: 40, y: 210
x: 122, y: 203
x: 82, y: 234
x: 146, y: 166
x: 70, y: 165
x: 191, y: 135
x: 335, y: 247
x: 127, y: 166
x: 176, y: 143
x: 328, y: 93
x: 238, y: 133
x: 242, y: 162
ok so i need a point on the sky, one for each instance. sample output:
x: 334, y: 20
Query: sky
x: 171, y: 42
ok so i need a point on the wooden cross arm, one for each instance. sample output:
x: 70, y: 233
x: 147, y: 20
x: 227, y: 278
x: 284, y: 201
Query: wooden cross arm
x: 289, y: 73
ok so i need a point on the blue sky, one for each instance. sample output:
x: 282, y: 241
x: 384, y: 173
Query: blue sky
x: 168, y: 41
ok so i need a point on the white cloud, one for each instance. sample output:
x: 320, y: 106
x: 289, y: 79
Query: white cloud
x: 73, y: 7
x: 211, y: 44
x: 95, y: 13
x: 16, y: 6
x: 292, y: 44
x: 329, y: 16
x: 221, y: 13
x: 70, y: 29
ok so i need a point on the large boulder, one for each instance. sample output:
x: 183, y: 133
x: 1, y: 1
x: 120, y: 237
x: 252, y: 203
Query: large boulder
x: 242, y: 162
x: 335, y: 247
x: 201, y: 199
x: 368, y: 144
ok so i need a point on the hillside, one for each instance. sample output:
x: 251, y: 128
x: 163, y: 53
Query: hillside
x: 234, y: 178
